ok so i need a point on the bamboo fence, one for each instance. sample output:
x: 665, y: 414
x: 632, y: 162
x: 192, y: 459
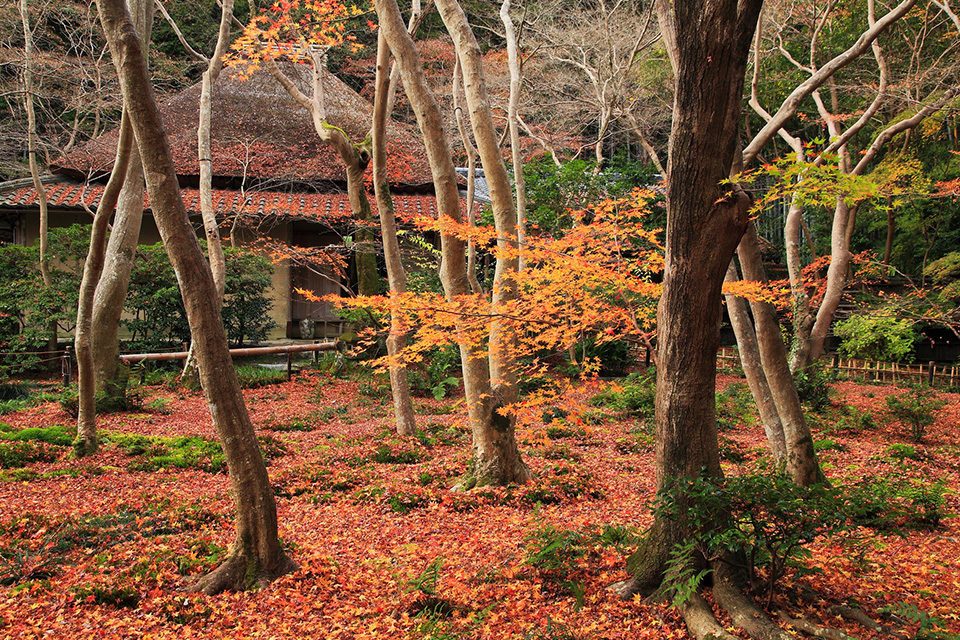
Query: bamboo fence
x: 933, y: 373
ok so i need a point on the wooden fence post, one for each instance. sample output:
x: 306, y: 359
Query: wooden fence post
x: 66, y: 366
x: 931, y: 372
x: 289, y: 365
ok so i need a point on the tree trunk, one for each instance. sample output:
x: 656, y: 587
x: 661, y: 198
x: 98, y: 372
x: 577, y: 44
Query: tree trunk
x: 891, y: 230
x: 121, y: 251
x: 471, y: 154
x: 211, y: 229
x: 708, y: 42
x: 86, y: 440
x: 513, y: 105
x: 749, y: 352
x: 396, y: 276
x: 28, y: 105
x: 802, y: 462
x: 802, y: 316
x: 496, y: 459
x: 256, y: 555
x: 836, y: 283
x: 499, y: 457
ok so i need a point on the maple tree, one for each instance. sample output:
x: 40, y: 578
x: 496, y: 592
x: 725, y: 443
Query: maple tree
x: 303, y: 32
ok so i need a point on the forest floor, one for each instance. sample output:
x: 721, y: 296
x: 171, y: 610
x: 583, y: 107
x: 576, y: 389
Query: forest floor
x: 102, y: 547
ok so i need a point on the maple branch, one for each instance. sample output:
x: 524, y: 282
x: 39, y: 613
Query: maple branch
x: 790, y: 105
x: 884, y: 136
x: 182, y: 38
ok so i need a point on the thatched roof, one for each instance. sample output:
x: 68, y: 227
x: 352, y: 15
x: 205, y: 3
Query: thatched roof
x: 259, y: 133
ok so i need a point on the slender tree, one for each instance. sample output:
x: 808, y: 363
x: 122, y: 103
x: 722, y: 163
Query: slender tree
x: 111, y: 288
x: 496, y: 458
x: 396, y: 275
x: 256, y: 555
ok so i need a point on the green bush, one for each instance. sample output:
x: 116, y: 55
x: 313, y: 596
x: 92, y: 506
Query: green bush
x: 813, y: 387
x: 876, y: 337
x: 439, y: 374
x: 916, y: 409
x: 755, y: 520
x: 157, y: 316
x: 615, y: 356
x: 635, y: 395
x: 30, y: 310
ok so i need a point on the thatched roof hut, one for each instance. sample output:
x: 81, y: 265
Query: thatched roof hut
x: 260, y: 135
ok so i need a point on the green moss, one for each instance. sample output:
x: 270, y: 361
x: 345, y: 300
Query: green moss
x: 21, y: 453
x: 158, y: 452
x: 56, y: 435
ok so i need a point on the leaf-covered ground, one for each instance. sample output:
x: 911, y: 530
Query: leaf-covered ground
x: 102, y: 547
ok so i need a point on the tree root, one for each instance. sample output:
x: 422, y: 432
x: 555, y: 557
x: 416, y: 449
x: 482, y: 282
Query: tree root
x: 853, y: 614
x: 812, y: 629
x: 745, y: 613
x: 701, y: 622
x: 241, y: 572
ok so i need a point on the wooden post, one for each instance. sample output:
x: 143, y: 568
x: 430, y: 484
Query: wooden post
x: 316, y: 355
x: 931, y: 372
x: 289, y: 365
x: 646, y: 358
x: 66, y: 366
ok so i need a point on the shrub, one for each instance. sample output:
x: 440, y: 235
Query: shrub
x: 853, y: 420
x: 155, y: 308
x: 30, y: 310
x: 813, y: 387
x: 440, y: 373
x: 615, y: 356
x: 916, y: 409
x: 635, y: 395
x: 761, y: 520
x: 875, y: 337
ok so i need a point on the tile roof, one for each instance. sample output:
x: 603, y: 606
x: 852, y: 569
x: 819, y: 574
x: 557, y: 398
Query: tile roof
x: 321, y: 207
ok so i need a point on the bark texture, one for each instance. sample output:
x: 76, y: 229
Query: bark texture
x: 802, y: 464
x: 86, y: 441
x: 28, y: 105
x: 211, y: 229
x: 752, y: 366
x: 256, y: 555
